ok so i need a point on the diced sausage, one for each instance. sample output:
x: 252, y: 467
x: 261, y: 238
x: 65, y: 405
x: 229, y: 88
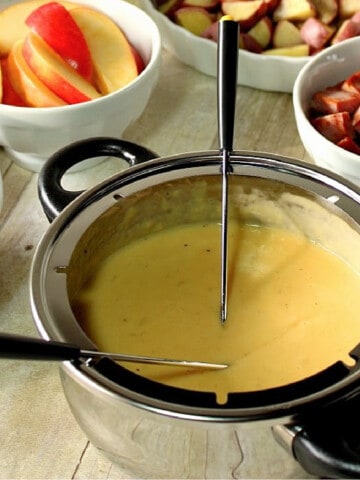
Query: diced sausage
x: 352, y: 83
x: 334, y: 100
x: 334, y: 126
x: 349, y: 144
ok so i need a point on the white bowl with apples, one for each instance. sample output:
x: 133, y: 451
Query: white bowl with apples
x: 63, y: 108
x: 275, y: 24
x: 326, y: 99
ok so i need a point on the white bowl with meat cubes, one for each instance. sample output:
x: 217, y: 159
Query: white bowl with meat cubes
x: 326, y: 99
x: 277, y: 37
x: 72, y: 70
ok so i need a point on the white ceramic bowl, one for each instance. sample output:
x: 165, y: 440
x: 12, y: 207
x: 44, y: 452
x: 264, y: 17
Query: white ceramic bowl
x: 265, y: 72
x: 31, y: 135
x: 329, y: 67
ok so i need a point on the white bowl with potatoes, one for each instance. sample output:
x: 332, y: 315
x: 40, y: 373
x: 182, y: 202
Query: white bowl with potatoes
x: 277, y: 37
x: 56, y: 91
x: 326, y: 101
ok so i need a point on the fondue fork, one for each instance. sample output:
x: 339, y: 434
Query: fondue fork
x: 228, y: 46
x: 27, y: 348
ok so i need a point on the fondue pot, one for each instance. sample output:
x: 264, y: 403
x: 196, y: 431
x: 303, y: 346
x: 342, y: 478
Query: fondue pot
x: 158, y: 431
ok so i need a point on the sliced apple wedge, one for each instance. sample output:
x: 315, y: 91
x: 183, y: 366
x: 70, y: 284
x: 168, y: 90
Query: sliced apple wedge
x: 195, y: 19
x: 348, y: 29
x: 326, y: 10
x: 298, y: 10
x: 247, y: 12
x: 169, y: 7
x: 348, y: 8
x: 140, y: 64
x: 247, y: 42
x: 12, y: 22
x: 113, y: 59
x: 9, y: 95
x: 55, y: 73
x: 55, y: 25
x: 286, y: 34
x: 262, y: 32
x: 26, y: 84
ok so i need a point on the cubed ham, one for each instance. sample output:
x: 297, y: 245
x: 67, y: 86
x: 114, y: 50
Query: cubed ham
x: 334, y: 100
x: 335, y: 126
x: 352, y: 83
x: 349, y: 144
x: 315, y: 33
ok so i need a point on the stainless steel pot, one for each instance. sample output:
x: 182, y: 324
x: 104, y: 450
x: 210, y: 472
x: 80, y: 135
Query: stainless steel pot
x: 157, y: 431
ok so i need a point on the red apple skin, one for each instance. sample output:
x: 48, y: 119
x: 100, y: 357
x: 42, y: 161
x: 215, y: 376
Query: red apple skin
x: 9, y: 94
x: 247, y: 42
x: 26, y: 84
x: 55, y: 73
x: 55, y: 25
x: 140, y: 64
x: 212, y: 32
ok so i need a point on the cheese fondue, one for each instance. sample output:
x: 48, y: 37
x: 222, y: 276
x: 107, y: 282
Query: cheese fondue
x: 293, y: 307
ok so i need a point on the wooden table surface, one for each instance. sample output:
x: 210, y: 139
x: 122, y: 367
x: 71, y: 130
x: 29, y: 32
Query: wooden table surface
x: 39, y: 437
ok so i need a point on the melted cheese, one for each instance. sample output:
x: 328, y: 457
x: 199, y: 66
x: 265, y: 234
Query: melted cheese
x: 292, y: 307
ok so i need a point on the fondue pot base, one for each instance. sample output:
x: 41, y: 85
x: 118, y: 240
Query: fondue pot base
x: 146, y: 445
x: 152, y: 430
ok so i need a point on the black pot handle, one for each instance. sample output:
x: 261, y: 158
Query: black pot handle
x: 327, y: 454
x: 53, y: 197
x: 328, y: 447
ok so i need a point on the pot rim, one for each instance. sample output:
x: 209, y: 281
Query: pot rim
x: 255, y: 164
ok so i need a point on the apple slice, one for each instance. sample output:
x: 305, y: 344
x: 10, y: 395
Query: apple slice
x: 247, y: 42
x: 327, y: 10
x: 347, y: 8
x: 348, y: 29
x: 286, y: 34
x: 169, y: 7
x: 247, y: 12
x: 297, y: 10
x: 26, y: 84
x: 54, y: 24
x: 114, y: 62
x: 262, y: 32
x: 55, y: 73
x: 195, y: 19
x: 9, y: 95
x: 12, y: 22
x: 140, y: 64
x: 302, y: 50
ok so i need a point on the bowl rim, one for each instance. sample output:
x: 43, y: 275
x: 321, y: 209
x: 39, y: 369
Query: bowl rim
x: 298, y: 95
